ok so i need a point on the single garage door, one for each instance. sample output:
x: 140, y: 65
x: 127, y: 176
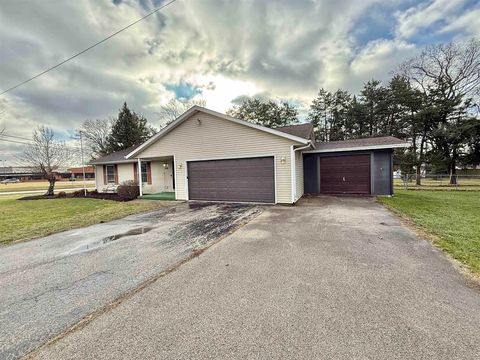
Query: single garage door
x: 346, y: 174
x: 251, y: 179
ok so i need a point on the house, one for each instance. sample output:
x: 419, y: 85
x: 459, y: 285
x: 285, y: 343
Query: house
x: 206, y: 155
x: 29, y: 173
x: 77, y: 172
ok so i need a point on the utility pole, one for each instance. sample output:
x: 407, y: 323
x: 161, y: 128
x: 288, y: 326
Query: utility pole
x: 83, y: 166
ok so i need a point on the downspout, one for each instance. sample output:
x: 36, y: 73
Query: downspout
x: 139, y: 176
x: 294, y: 168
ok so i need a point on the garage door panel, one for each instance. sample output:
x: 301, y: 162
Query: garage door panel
x: 251, y: 179
x: 346, y: 174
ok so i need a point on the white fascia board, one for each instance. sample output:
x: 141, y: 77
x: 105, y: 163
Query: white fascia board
x: 196, y: 108
x: 129, y: 161
x: 359, y: 148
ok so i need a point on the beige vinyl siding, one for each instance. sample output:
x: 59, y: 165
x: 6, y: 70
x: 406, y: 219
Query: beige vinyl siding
x: 99, y: 177
x: 162, y: 179
x: 125, y: 172
x: 298, y: 175
x: 215, y: 138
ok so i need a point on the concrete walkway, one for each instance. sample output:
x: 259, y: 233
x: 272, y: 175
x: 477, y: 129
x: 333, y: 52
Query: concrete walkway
x: 49, y: 284
x: 331, y: 278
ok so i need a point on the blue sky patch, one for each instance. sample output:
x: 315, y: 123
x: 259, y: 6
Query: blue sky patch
x: 183, y: 90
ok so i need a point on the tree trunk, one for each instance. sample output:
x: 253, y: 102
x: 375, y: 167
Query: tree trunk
x: 453, y: 169
x: 51, y: 185
x: 420, y: 158
x: 418, y: 175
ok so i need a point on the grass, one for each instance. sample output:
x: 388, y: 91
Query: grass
x: 464, y: 184
x: 43, y: 185
x: 159, y: 196
x: 27, y: 219
x: 453, y: 218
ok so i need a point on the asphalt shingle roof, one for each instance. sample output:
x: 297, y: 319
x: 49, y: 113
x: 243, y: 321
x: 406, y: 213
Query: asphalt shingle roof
x: 301, y: 130
x: 373, y: 141
x: 115, y: 157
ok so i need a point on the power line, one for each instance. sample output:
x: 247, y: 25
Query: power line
x: 16, y: 137
x: 15, y: 141
x: 88, y: 48
x: 31, y: 142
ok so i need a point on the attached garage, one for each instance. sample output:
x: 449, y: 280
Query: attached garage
x: 345, y: 174
x: 246, y: 180
x: 359, y: 166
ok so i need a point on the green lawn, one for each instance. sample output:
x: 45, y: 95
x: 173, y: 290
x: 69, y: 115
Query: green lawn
x: 27, y: 219
x: 159, y: 196
x: 453, y: 217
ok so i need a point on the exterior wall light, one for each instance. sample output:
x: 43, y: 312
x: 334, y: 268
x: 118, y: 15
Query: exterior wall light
x: 283, y: 160
x: 179, y: 166
x: 165, y: 165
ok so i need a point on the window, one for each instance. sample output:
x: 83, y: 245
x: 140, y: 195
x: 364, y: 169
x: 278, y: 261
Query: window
x: 110, y: 174
x: 144, y: 172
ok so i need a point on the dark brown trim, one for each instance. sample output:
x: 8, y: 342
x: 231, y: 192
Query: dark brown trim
x: 104, y: 174
x: 116, y: 174
x: 149, y: 173
x: 135, y: 172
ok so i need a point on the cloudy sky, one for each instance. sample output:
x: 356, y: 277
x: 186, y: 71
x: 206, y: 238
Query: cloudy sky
x: 215, y: 50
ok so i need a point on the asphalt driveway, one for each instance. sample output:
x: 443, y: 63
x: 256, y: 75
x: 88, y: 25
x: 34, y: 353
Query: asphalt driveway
x: 331, y: 278
x: 49, y: 284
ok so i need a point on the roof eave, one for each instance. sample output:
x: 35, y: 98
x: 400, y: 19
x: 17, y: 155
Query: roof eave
x: 126, y: 161
x: 196, y: 108
x: 360, y: 148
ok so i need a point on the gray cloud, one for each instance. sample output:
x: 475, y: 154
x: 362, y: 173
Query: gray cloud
x: 283, y: 50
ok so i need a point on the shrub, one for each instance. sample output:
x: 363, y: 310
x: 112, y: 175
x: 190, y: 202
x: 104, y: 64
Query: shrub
x: 128, y: 190
x: 62, y: 194
x: 78, y: 193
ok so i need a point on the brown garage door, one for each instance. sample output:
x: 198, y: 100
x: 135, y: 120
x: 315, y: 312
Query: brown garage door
x: 251, y: 179
x: 348, y: 174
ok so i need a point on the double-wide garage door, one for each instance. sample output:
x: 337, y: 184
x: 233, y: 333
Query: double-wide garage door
x: 249, y: 179
x: 345, y: 174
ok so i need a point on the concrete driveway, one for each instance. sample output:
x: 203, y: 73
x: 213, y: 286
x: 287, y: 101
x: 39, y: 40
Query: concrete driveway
x: 49, y: 284
x: 331, y: 278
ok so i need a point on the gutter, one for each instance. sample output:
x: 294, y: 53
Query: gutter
x: 294, y: 167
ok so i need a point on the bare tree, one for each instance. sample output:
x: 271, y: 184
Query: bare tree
x: 176, y: 107
x: 448, y: 75
x: 96, y: 134
x: 46, y: 155
x: 453, y: 66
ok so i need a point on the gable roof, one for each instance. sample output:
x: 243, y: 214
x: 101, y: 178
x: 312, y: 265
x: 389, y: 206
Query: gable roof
x: 115, y: 157
x: 383, y: 142
x: 301, y: 130
x: 197, y: 108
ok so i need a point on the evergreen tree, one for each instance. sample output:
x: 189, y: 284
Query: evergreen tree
x: 267, y: 113
x: 128, y: 129
x: 320, y: 114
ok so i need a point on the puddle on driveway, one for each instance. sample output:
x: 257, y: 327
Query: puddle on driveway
x: 108, y: 239
x: 137, y: 231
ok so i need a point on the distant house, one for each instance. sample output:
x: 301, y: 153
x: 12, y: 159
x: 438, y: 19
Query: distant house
x: 77, y: 172
x: 28, y: 173
x: 206, y: 155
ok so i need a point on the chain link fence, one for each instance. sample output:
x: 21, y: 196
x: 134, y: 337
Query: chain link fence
x: 438, y: 182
